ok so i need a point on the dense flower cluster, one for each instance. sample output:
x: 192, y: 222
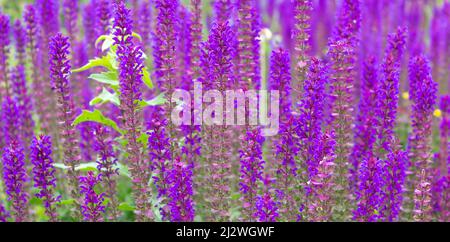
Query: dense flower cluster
x: 90, y: 119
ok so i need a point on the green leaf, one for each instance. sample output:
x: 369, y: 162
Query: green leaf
x: 60, y: 166
x: 96, y: 116
x: 159, y: 100
x: 125, y: 207
x: 143, y: 139
x: 105, y: 61
x: 137, y: 36
x: 109, y: 78
x: 90, y: 166
x: 146, y: 78
x: 67, y: 202
x: 104, y: 97
x: 101, y: 38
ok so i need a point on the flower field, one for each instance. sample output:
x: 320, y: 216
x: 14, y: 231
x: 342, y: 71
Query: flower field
x: 224, y: 110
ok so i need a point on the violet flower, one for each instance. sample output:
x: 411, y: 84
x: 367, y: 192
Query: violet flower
x: 33, y: 31
x: 266, y: 207
x: 196, y: 32
x: 20, y: 42
x: 92, y: 207
x: 4, y: 215
x: 92, y: 25
x: 60, y: 73
x: 369, y: 192
x: 44, y: 174
x: 394, y: 173
x: 252, y: 166
x: 311, y: 117
x: 422, y: 199
x: 49, y: 16
x: 222, y: 10
x: 301, y: 35
x: 180, y: 192
x: 103, y: 16
x: 348, y: 20
x: 247, y: 55
x: 387, y: 100
x: 145, y: 25
x: 130, y: 81
x: 320, y: 201
x: 12, y: 122
x: 71, y: 9
x: 14, y: 177
x: 444, y: 134
x: 4, y: 50
x: 341, y: 54
x: 24, y: 105
x: 106, y: 164
x: 364, y: 130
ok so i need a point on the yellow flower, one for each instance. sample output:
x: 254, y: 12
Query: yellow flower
x: 405, y: 95
x: 437, y: 113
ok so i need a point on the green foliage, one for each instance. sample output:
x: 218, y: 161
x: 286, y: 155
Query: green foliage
x: 97, y: 117
x: 104, y: 97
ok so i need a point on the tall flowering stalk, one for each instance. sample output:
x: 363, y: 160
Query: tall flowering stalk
x: 71, y: 9
x: 4, y: 50
x: 364, y: 130
x: 341, y: 110
x: 444, y: 134
x: 285, y: 146
x: 12, y: 122
x: 91, y: 24
x: 248, y: 45
x: 130, y: 79
x: 60, y: 74
x: 92, y: 207
x: 266, y: 207
x: 181, y: 192
x: 422, y: 199
x: 145, y: 25
x: 320, y: 187
x: 394, y: 174
x: 34, y: 53
x: 310, y: 119
x: 387, y: 100
x: 301, y: 37
x: 423, y: 95
x: 159, y: 154
x: 24, y: 104
x: 4, y: 215
x: 369, y: 192
x: 106, y: 164
x: 44, y: 174
x: 252, y: 167
x: 103, y: 15
x: 218, y: 68
x: 20, y: 44
x: 14, y: 177
x: 222, y: 10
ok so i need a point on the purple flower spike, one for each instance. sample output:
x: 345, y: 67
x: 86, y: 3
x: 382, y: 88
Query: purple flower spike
x: 44, y: 174
x: 4, y: 215
x: 92, y: 207
x: 252, y: 166
x: 422, y: 199
x: 301, y: 35
x: 445, y: 133
x: 24, y: 104
x: 14, y: 177
x: 4, y: 50
x: 222, y: 10
x: 394, y: 172
x: 311, y: 117
x: 248, y: 45
x: 103, y: 16
x: 106, y: 164
x: 321, y: 186
x: 387, y: 100
x: 181, y: 193
x: 20, y: 38
x: 71, y: 18
x: 364, y: 131
x: 49, y: 16
x: 60, y: 74
x: 12, y: 121
x: 369, y: 192
x: 280, y: 79
x: 266, y: 207
x: 130, y: 80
